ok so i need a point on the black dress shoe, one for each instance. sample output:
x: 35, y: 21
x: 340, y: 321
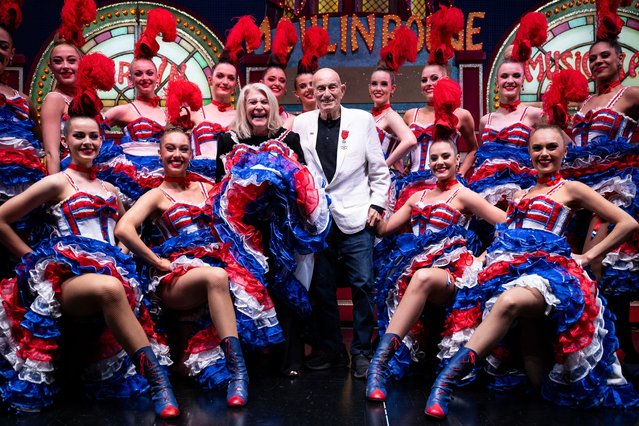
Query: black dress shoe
x: 322, y: 361
x: 326, y: 360
x: 359, y: 365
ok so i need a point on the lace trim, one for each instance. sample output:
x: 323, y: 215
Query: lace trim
x: 449, y: 345
x: 579, y: 364
x: 622, y: 261
x: 19, y: 144
x: 498, y: 192
x: 201, y: 360
x: 182, y: 262
x: 8, y: 345
x: 531, y: 281
x: 469, y: 277
x: 36, y: 372
x: 249, y: 306
x: 620, y: 192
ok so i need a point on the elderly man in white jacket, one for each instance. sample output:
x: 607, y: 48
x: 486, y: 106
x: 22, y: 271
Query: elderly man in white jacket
x: 341, y: 145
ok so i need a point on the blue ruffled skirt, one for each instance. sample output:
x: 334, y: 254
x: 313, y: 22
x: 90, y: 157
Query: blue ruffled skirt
x: 256, y: 320
x: 400, y: 258
x: 500, y: 171
x: 203, y: 166
x: 20, y: 154
x: 269, y: 196
x: 30, y: 325
x: 586, y: 371
x: 611, y: 167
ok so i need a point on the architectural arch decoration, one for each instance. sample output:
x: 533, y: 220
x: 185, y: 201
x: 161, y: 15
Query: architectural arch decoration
x: 114, y: 32
x: 571, y: 32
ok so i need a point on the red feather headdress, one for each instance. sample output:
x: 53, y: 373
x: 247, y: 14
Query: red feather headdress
x: 314, y: 46
x: 567, y: 86
x: 244, y: 31
x: 444, y: 23
x: 74, y: 15
x: 283, y: 43
x: 609, y: 24
x: 180, y: 94
x: 95, y: 72
x: 10, y: 14
x: 402, y: 48
x: 158, y: 21
x: 532, y: 32
x: 446, y: 99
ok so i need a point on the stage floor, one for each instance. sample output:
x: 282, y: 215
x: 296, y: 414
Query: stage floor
x: 330, y: 397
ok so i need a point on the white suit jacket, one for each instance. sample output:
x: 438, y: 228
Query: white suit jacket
x: 361, y: 175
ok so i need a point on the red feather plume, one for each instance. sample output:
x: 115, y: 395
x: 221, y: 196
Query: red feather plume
x: 182, y: 93
x: 314, y: 46
x: 567, y: 85
x: 10, y: 14
x: 95, y: 72
x: 245, y: 31
x: 158, y: 21
x: 74, y: 15
x: 609, y: 24
x: 446, y: 99
x: 532, y: 32
x: 444, y: 23
x: 284, y: 41
x: 402, y: 48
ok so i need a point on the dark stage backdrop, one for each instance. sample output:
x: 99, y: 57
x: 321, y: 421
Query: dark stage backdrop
x: 41, y: 18
x: 355, y: 45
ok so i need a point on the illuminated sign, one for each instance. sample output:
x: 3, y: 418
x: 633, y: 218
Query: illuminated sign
x: 571, y: 32
x: 114, y: 32
x: 354, y: 45
x: 348, y: 33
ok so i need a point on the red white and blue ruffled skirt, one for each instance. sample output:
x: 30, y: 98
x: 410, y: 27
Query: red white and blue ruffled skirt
x: 31, y: 322
x: 20, y: 155
x: 20, y: 167
x: 132, y: 174
x: 270, y: 205
x: 611, y: 167
x: 257, y: 323
x: 500, y: 171
x: 586, y: 372
x: 402, y: 187
x: 204, y: 166
x: 399, y: 260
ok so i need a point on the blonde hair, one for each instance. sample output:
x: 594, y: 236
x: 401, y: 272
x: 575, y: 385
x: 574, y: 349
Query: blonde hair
x: 171, y: 129
x: 136, y: 60
x: 58, y: 41
x: 446, y: 69
x: 241, y: 125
